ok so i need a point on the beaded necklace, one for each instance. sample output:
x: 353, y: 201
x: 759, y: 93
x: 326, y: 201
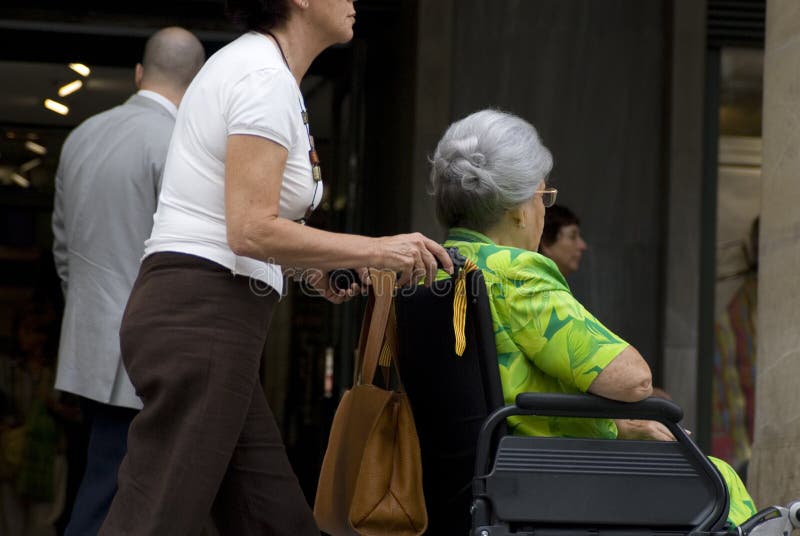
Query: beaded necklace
x: 313, y: 158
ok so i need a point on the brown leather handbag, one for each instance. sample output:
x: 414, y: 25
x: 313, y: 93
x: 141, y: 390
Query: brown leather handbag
x: 371, y: 479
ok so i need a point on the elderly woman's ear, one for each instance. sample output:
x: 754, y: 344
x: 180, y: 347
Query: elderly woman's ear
x: 517, y: 217
x: 627, y: 378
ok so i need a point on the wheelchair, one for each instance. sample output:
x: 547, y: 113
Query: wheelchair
x: 481, y: 481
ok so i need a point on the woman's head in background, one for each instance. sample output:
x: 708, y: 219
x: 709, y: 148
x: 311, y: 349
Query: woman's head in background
x: 562, y: 240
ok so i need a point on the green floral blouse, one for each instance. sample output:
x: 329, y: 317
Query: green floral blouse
x: 550, y: 344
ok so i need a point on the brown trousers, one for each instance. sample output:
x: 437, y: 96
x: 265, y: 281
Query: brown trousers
x: 206, y: 441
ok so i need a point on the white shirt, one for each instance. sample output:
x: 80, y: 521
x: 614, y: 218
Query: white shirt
x: 161, y: 99
x: 245, y: 88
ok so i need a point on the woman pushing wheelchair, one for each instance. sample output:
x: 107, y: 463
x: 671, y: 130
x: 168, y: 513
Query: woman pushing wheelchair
x: 489, y: 175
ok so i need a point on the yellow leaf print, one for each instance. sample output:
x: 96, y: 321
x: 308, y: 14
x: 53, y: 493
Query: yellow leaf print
x: 530, y: 341
x: 499, y: 262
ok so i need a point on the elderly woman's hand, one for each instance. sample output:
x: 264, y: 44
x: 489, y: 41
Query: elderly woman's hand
x: 636, y: 429
x: 413, y: 256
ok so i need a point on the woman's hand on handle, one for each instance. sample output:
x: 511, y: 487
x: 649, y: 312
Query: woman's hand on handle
x: 413, y: 256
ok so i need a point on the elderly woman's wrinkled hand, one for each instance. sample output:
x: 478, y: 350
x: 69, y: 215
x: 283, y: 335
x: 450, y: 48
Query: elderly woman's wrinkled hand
x: 638, y: 429
x: 413, y: 256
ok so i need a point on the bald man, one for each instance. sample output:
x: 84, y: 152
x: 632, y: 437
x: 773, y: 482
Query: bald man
x: 107, y: 186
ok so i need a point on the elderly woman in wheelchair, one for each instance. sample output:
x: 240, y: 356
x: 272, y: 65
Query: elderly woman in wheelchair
x: 489, y: 175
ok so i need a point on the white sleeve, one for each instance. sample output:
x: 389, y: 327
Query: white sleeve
x: 264, y: 103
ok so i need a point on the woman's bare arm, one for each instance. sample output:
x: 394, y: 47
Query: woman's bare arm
x: 627, y: 378
x: 253, y: 175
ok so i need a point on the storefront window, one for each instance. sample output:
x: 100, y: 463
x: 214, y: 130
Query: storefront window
x: 738, y: 206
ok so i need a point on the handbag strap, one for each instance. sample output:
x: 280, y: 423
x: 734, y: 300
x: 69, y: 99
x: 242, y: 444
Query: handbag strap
x: 375, y: 321
x: 362, y: 340
x: 389, y: 348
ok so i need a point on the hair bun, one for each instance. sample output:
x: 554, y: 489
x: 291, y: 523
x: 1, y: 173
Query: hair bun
x: 477, y: 159
x: 470, y: 182
x: 459, y: 162
x: 469, y: 173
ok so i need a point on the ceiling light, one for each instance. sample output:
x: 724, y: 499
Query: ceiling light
x: 34, y: 147
x: 20, y: 180
x: 80, y: 68
x: 55, y: 106
x: 69, y: 89
x: 30, y: 164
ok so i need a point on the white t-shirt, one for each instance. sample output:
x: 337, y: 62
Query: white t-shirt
x: 245, y: 88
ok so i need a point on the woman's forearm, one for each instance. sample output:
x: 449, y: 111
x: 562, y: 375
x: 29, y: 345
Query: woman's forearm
x: 413, y: 256
x: 285, y: 242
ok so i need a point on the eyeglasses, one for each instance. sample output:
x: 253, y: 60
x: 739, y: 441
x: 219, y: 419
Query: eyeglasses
x: 548, y: 196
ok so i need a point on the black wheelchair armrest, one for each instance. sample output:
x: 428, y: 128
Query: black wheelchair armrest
x: 581, y: 405
x: 590, y: 406
x: 557, y: 404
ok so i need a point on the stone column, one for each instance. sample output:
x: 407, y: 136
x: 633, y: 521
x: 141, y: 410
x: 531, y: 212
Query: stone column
x: 774, y: 472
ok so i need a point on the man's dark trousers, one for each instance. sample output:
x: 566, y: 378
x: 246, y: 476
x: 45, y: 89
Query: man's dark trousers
x: 108, y: 438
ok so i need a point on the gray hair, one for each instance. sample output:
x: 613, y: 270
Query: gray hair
x: 485, y: 164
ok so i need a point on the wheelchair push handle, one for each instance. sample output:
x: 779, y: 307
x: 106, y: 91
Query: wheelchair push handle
x: 559, y: 405
x: 344, y: 278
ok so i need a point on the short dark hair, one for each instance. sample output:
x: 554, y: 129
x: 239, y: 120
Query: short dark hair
x: 555, y: 218
x: 260, y: 15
